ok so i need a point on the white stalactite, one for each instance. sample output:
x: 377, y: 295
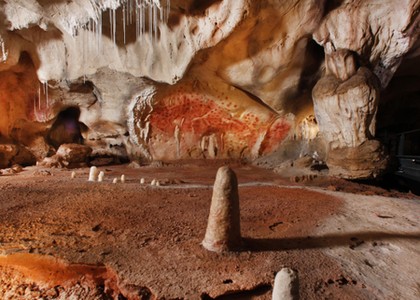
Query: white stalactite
x: 4, y: 52
x: 131, y: 10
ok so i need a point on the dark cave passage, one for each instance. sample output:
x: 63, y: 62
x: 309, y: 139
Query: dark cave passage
x: 66, y: 128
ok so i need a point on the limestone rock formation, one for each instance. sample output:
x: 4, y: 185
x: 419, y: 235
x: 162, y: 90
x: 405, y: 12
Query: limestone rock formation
x: 74, y: 153
x: 380, y: 33
x: 364, y: 161
x: 7, y: 152
x: 169, y: 79
x: 346, y: 105
x: 11, y: 154
x: 347, y: 110
x: 68, y: 155
x: 223, y: 231
x: 286, y: 285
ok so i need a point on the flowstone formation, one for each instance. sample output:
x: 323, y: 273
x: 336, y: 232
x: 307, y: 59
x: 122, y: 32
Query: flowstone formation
x: 146, y: 80
x: 348, y: 99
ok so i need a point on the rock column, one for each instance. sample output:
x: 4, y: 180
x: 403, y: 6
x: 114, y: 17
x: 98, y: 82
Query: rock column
x: 223, y: 229
x: 345, y: 104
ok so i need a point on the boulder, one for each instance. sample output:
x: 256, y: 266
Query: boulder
x: 68, y: 155
x: 11, y: 154
x: 74, y: 153
x: 24, y: 157
x: 7, y: 152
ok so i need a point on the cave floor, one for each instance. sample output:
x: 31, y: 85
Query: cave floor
x: 63, y: 238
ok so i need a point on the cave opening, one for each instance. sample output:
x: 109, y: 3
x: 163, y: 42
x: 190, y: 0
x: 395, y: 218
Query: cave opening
x: 66, y: 128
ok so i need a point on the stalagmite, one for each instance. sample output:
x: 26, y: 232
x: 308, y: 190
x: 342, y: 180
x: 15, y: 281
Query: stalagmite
x: 223, y: 227
x: 142, y: 181
x: 73, y: 175
x: 153, y: 183
x: 93, y: 173
x: 101, y: 176
x: 157, y: 183
x: 286, y: 285
x: 115, y: 180
x: 122, y: 178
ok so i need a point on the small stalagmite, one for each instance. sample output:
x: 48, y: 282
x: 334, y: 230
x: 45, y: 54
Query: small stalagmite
x: 101, y: 176
x: 122, y: 178
x: 73, y: 175
x: 142, y: 181
x: 115, y: 180
x: 93, y: 173
x: 223, y: 228
x: 286, y: 285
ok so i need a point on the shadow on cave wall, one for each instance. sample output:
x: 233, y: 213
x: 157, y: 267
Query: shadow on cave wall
x: 300, y: 98
x: 399, y: 106
x: 331, y: 5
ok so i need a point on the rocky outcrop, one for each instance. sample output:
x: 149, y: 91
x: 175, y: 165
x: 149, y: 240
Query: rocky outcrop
x: 7, y: 152
x: 11, y: 154
x: 380, y: 34
x: 68, y: 155
x: 74, y: 153
x: 359, y: 64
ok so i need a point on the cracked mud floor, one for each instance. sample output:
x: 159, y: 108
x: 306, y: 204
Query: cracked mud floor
x: 63, y: 238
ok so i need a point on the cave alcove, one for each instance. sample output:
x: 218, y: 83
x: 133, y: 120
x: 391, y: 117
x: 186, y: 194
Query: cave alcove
x: 66, y: 128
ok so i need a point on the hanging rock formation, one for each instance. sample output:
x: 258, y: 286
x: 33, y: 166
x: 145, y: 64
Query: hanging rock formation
x: 166, y: 80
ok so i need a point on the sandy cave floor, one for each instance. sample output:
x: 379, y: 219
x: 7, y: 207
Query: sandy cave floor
x: 63, y: 238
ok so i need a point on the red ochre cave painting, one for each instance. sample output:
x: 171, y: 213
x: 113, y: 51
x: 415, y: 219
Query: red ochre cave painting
x: 200, y: 115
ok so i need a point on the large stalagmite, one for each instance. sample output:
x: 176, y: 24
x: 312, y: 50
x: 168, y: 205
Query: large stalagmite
x: 223, y: 231
x: 346, y: 104
x: 166, y: 80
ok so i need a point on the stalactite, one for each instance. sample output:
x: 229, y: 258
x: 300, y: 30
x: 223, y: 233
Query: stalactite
x: 41, y: 102
x: 150, y: 12
x: 4, y: 52
x: 124, y: 22
x: 99, y: 32
x: 47, y: 103
x: 133, y: 12
x: 146, y: 15
x: 114, y: 25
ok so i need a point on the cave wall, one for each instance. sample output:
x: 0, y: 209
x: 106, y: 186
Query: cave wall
x: 211, y: 79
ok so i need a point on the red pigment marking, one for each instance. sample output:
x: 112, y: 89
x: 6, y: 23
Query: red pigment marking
x: 201, y: 116
x: 275, y: 134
